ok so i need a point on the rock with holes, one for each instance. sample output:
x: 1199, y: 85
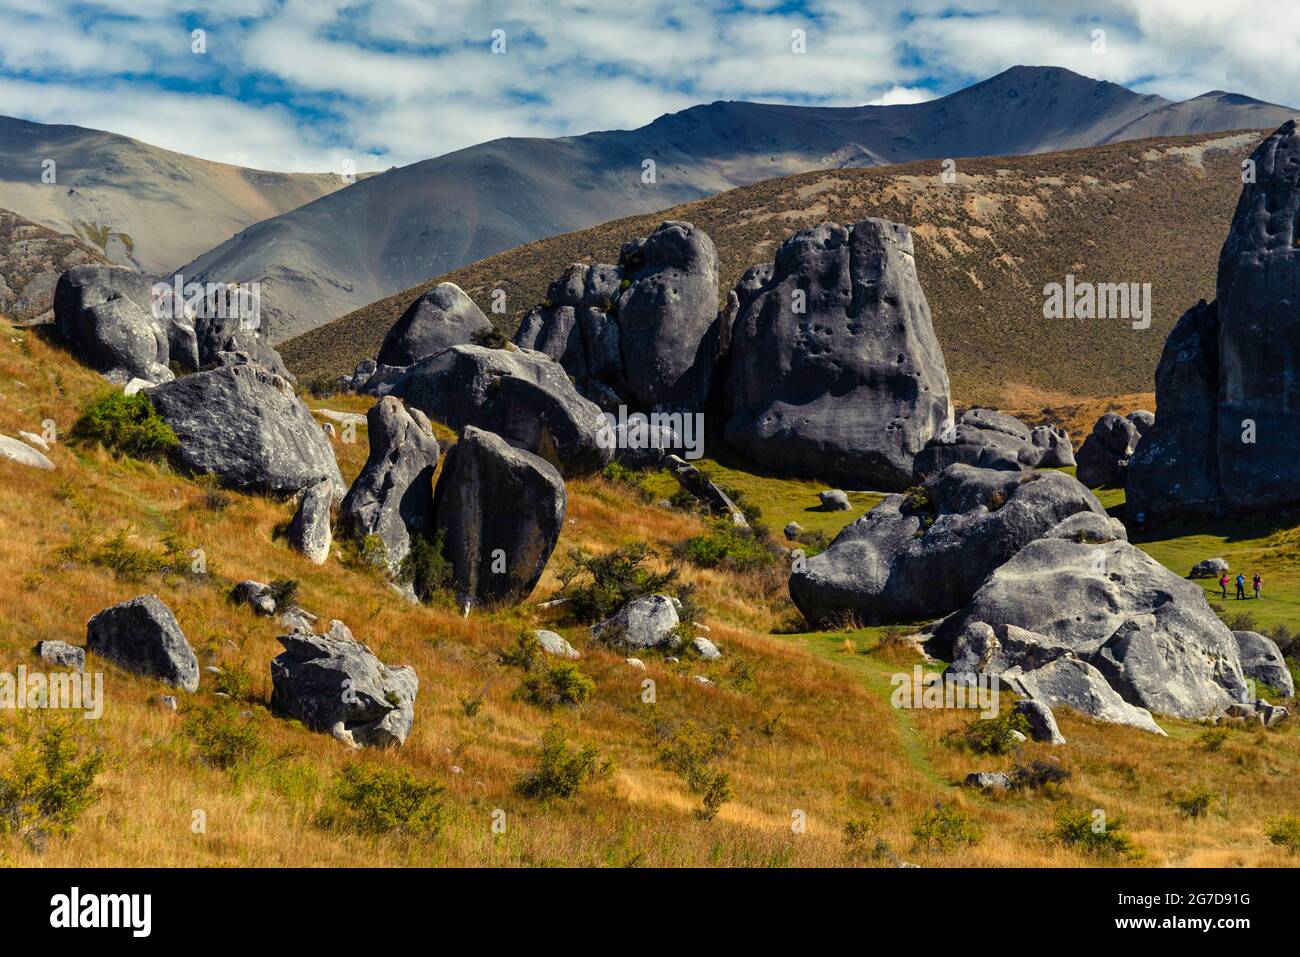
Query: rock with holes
x: 923, y: 555
x: 833, y: 368
x: 393, y: 493
x: 309, y: 530
x: 142, y: 635
x: 524, y: 397
x: 440, y: 318
x: 990, y: 439
x: 244, y: 425
x: 499, y: 511
x: 334, y: 684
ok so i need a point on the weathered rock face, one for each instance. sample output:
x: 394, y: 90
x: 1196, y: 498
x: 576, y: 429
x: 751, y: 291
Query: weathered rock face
x: 1103, y: 458
x: 217, y: 335
x: 500, y: 511
x: 834, y: 370
x: 923, y: 556
x: 642, y: 623
x: 393, y: 493
x: 333, y: 683
x: 989, y: 439
x: 524, y: 397
x: 105, y: 313
x: 142, y: 635
x: 1225, y: 437
x: 645, y: 331
x: 443, y: 317
x: 244, y: 425
x: 1262, y: 660
x: 1042, y: 723
x: 309, y: 530
x: 1150, y: 634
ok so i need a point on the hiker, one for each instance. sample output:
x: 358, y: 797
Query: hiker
x: 1258, y: 583
x: 1223, y: 584
x: 1241, y: 586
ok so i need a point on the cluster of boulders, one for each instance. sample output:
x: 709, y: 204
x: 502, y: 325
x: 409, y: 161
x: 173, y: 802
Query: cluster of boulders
x: 989, y: 439
x: 1225, y: 438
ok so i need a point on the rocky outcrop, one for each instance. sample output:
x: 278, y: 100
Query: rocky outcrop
x: 1262, y: 660
x: 524, y: 397
x: 989, y: 439
x: 833, y: 369
x: 333, y: 683
x: 309, y: 531
x: 393, y: 493
x: 244, y: 425
x: 442, y: 317
x: 105, y: 314
x: 1041, y: 721
x: 642, y: 332
x: 142, y: 635
x: 922, y: 555
x: 643, y: 623
x: 1150, y: 634
x: 499, y: 511
x: 1103, y: 458
x: 1225, y: 438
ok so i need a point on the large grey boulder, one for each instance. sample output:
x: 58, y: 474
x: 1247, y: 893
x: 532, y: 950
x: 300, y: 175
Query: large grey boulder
x: 556, y: 645
x: 642, y: 623
x: 644, y: 331
x: 309, y: 531
x: 243, y: 424
x: 1148, y: 632
x: 1103, y: 457
x: 1209, y: 568
x: 990, y: 439
x: 105, y: 314
x: 393, y: 493
x: 500, y: 511
x: 218, y: 335
x: 440, y: 318
x: 333, y: 683
x: 1262, y: 660
x: 834, y: 370
x: 1225, y: 437
x: 524, y: 397
x: 142, y: 635
x: 924, y: 554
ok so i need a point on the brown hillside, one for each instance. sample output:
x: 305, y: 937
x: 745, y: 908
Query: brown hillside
x: 1153, y: 210
x: 31, y: 260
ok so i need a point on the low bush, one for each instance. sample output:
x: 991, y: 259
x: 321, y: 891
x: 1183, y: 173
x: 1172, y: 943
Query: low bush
x: 689, y: 752
x: 126, y: 425
x: 726, y: 545
x: 562, y: 683
x: 1193, y: 803
x: 562, y: 771
x: 48, y: 781
x: 426, y: 569
x: 1092, y: 833
x: 370, y: 799
x: 946, y: 827
x: 223, y: 738
x: 598, y: 585
x: 1285, y: 832
x: 1037, y: 775
x: 989, y: 735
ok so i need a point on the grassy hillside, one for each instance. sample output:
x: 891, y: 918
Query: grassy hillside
x: 814, y: 735
x: 1153, y: 210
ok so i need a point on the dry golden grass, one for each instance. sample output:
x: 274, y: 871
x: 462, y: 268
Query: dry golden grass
x: 839, y: 751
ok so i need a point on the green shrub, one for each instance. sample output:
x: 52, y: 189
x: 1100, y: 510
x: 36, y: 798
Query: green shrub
x: 562, y: 771
x: 1193, y: 803
x: 726, y: 545
x: 1079, y: 828
x: 222, y: 737
x: 989, y: 735
x: 1046, y: 776
x: 127, y: 560
x: 524, y: 653
x: 371, y: 799
x: 598, y: 585
x: 126, y: 425
x: 620, y: 474
x: 1285, y: 832
x: 425, y: 568
x: 689, y: 752
x: 1211, y: 739
x: 557, y: 684
x: 48, y: 781
x: 489, y: 339
x: 235, y: 680
x: 946, y: 827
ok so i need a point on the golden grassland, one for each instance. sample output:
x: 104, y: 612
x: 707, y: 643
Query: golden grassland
x: 839, y: 751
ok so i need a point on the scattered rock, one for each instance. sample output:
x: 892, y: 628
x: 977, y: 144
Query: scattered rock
x: 834, y: 369
x: 334, y: 684
x: 1042, y: 723
x: 500, y: 511
x: 440, y: 318
x: 648, y: 622
x: 701, y: 679
x: 706, y: 649
x: 989, y: 780
x: 1262, y: 660
x: 143, y: 636
x: 834, y: 500
x: 34, y: 440
x: 256, y: 595
x: 554, y: 644
x: 703, y: 490
x: 168, y: 701
x: 393, y: 493
x: 62, y: 654
x: 792, y: 531
x: 1209, y: 568
x: 636, y: 663
x: 309, y: 529
x: 23, y: 454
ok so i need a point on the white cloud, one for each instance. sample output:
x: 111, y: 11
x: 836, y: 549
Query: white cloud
x: 899, y: 95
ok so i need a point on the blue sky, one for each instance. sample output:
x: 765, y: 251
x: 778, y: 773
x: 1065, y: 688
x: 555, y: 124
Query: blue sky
x: 312, y: 84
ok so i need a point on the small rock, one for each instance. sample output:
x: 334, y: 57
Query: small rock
x: 63, y: 654
x: 700, y: 679
x: 989, y: 780
x: 1209, y: 568
x: 309, y: 531
x: 1018, y: 737
x: 554, y: 644
x: 706, y: 649
x: 834, y: 500
x: 255, y: 594
x: 636, y: 663
x: 793, y: 531
x: 168, y: 701
x: 23, y: 454
x: 648, y: 622
x: 34, y: 440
